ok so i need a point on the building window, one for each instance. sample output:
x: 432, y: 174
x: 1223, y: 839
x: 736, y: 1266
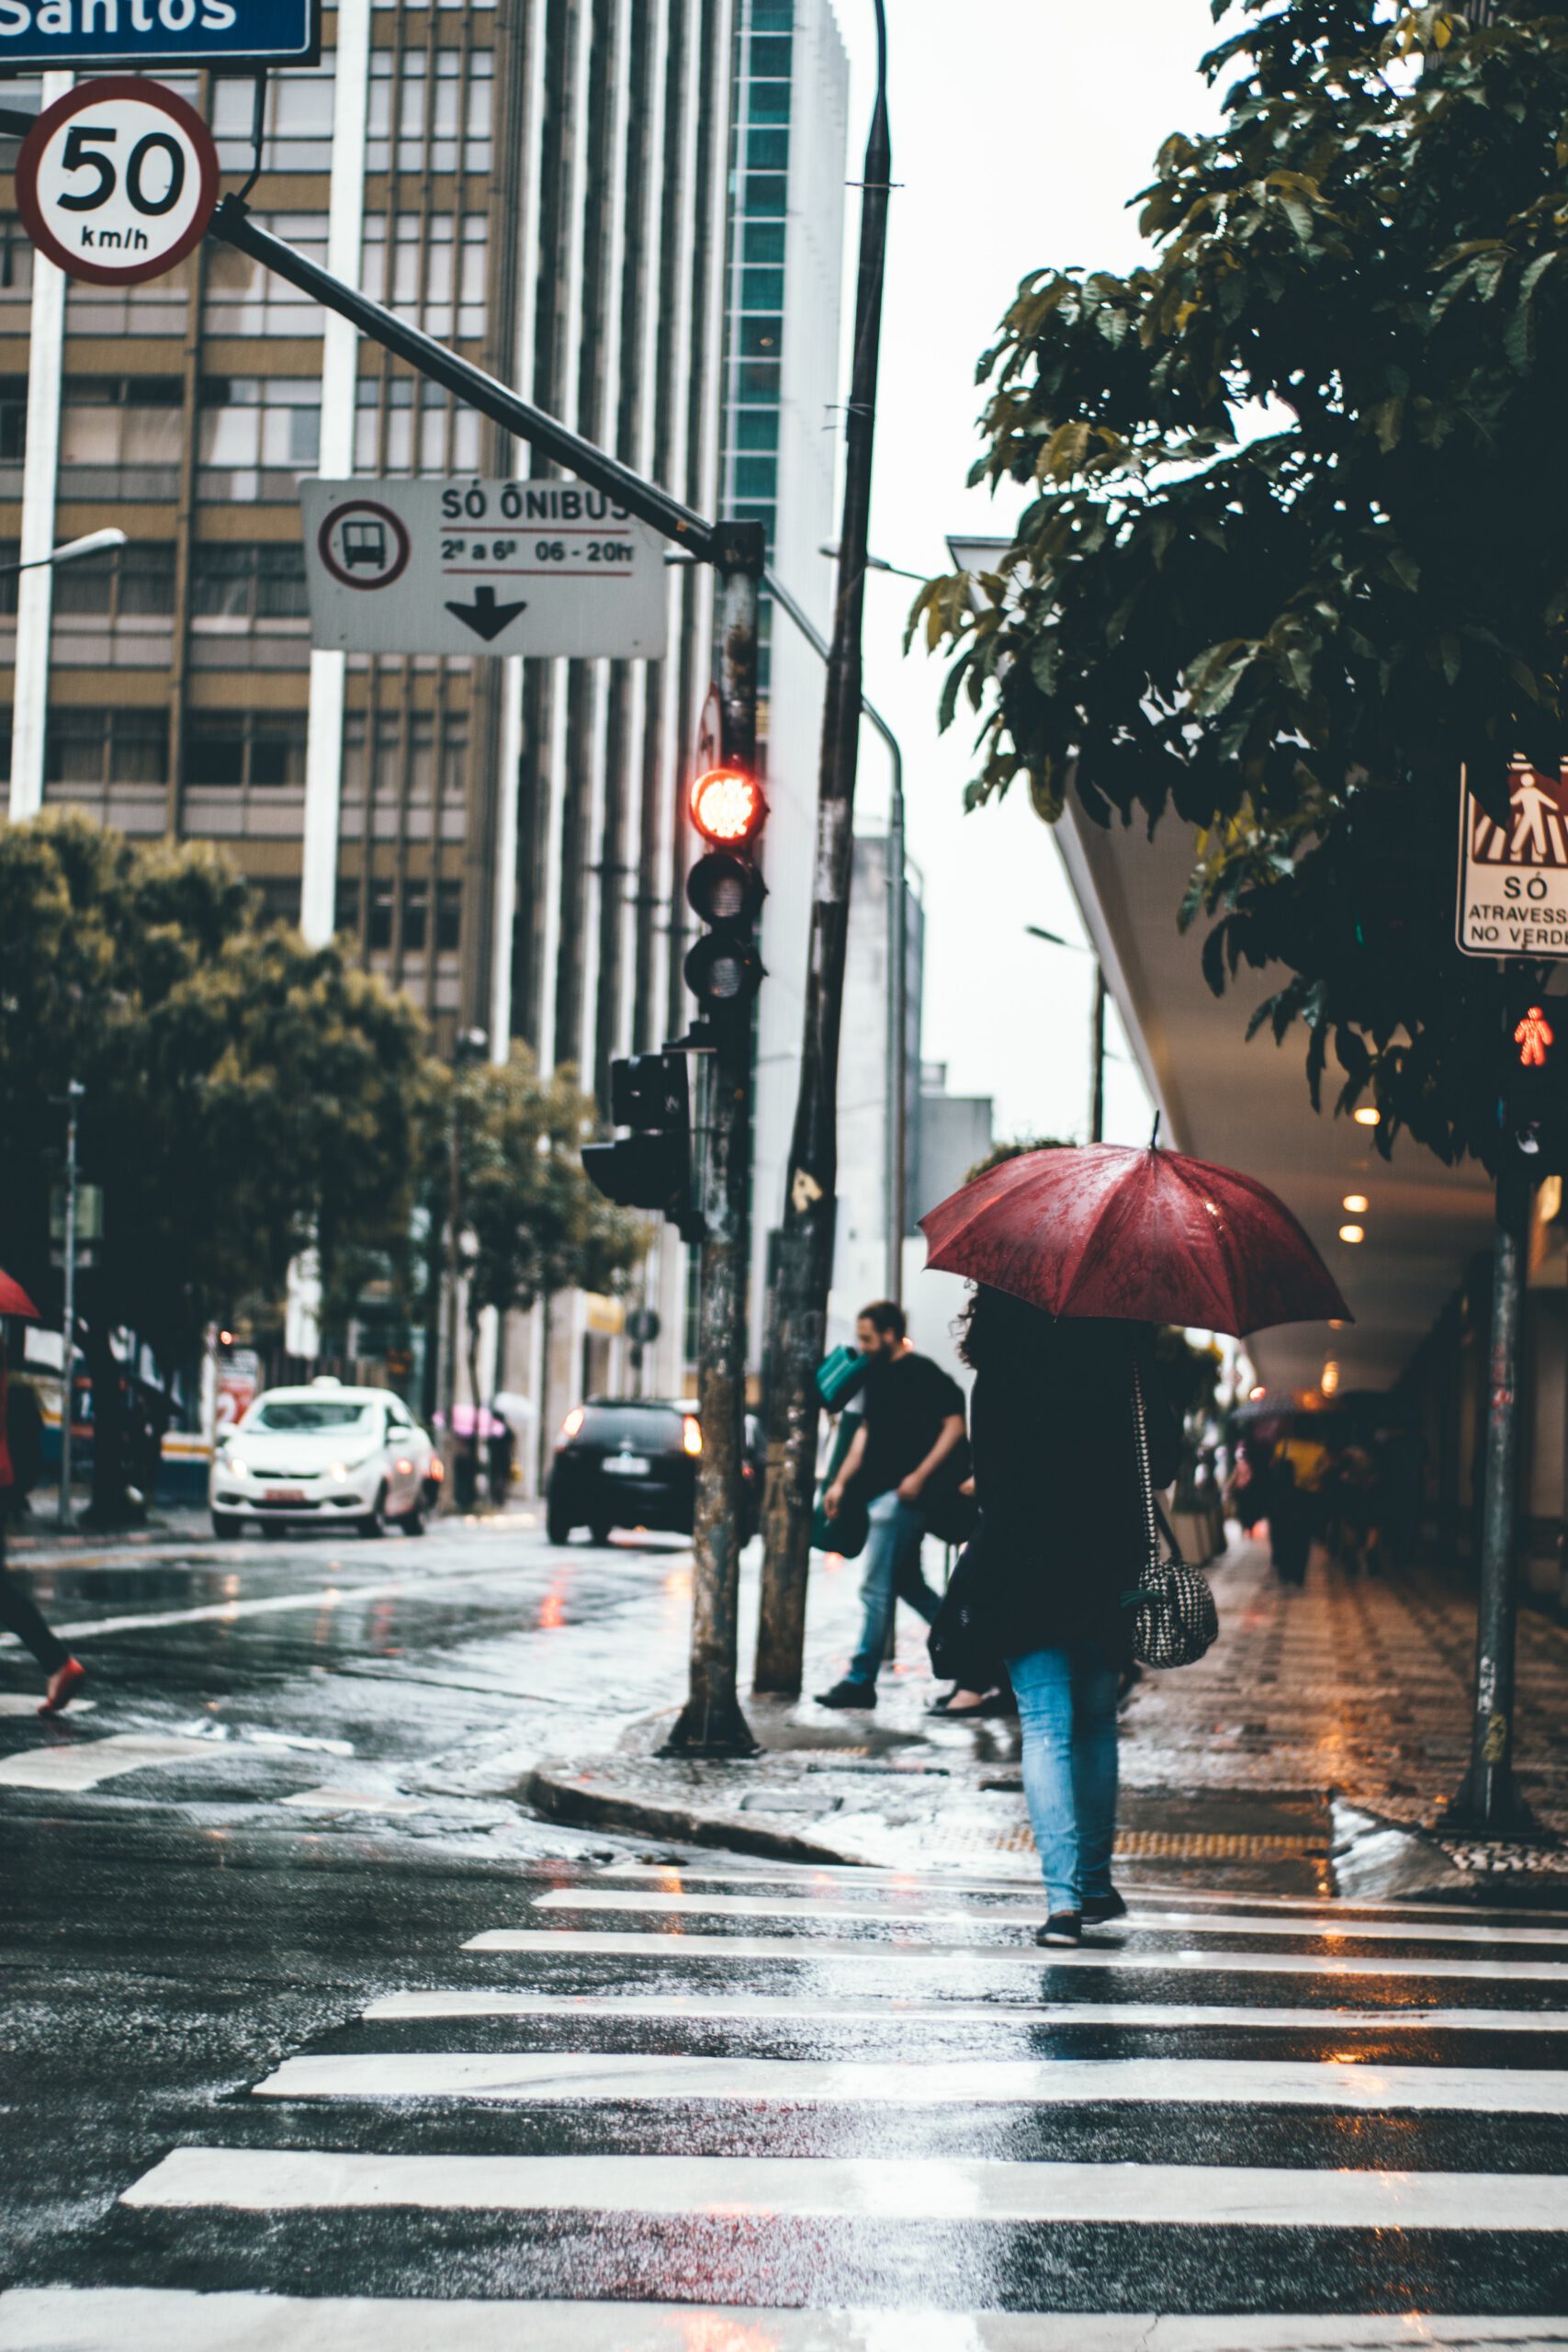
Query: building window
x: 234, y: 580
x: 401, y: 436
x: 441, y: 127
x: 346, y: 907
x: 121, y: 421
x: 435, y: 280
x: 298, y: 132
x: 228, y: 750
x: 135, y: 583
x: 279, y: 893
x: 244, y: 297
x: 13, y: 419
x: 249, y: 422
x: 383, y: 899
x: 100, y: 747
x: 416, y: 916
x: 448, y: 917
x: 16, y: 256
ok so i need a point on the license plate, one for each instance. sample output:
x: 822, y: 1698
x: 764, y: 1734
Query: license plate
x: 283, y: 1494
x: 627, y: 1466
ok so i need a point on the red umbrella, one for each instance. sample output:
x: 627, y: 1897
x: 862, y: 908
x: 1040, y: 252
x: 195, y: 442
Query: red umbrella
x: 14, y: 1299
x: 1146, y: 1237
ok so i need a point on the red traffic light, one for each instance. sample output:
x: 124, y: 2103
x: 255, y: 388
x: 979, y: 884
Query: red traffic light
x: 727, y: 805
x: 1534, y: 1037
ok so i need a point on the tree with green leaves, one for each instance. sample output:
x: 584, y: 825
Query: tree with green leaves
x: 246, y: 1096
x: 533, y: 1224
x: 1295, y: 550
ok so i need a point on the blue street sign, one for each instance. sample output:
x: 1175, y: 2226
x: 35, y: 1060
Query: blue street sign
x: 158, y: 34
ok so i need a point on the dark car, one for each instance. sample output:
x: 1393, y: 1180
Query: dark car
x: 632, y: 1462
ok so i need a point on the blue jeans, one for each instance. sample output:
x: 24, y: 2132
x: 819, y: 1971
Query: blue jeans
x: 1067, y: 1707
x: 891, y: 1574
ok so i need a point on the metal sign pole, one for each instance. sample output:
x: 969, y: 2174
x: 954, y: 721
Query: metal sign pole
x: 73, y: 1093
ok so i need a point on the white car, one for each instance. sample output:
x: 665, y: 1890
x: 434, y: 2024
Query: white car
x: 323, y: 1454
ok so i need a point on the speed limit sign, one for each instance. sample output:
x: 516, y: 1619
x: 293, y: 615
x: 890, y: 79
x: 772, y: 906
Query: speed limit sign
x: 117, y: 180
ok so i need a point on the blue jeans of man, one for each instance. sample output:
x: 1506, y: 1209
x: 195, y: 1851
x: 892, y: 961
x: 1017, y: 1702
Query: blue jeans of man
x: 891, y: 1574
x: 1066, y: 1708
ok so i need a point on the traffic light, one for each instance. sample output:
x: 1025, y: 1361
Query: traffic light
x: 723, y: 970
x: 651, y: 1167
x: 1535, y: 1090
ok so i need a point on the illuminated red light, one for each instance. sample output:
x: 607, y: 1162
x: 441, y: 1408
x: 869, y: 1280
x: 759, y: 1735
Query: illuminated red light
x: 727, y: 806
x: 1533, y: 1036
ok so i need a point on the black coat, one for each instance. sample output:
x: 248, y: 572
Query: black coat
x: 1062, y: 1529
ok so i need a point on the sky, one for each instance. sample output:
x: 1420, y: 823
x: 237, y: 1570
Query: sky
x: 1020, y: 130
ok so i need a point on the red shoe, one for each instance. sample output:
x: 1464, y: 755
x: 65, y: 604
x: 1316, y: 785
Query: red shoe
x: 63, y: 1685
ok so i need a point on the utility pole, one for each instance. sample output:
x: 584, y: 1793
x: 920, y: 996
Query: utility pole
x: 806, y: 1247
x: 711, y: 1723
x: 74, y: 1092
x: 1096, y: 1058
x: 471, y: 1044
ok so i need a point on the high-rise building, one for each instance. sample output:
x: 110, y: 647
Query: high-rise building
x: 540, y: 183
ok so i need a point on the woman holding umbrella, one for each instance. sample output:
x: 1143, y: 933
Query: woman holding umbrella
x: 18, y: 1612
x: 1076, y: 1251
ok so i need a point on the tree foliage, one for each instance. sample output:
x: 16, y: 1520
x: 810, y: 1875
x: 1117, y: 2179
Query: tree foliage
x: 532, y: 1223
x: 244, y: 1094
x: 1296, y: 545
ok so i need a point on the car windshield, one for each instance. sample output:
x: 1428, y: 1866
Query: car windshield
x: 310, y: 1414
x: 652, y: 1426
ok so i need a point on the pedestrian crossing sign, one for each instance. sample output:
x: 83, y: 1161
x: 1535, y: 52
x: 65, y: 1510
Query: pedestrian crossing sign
x: 1513, y: 872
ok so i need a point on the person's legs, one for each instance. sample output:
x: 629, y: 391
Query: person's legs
x: 1042, y: 1682
x: 1095, y: 1684
x: 909, y: 1578
x: 882, y: 1547
x: 20, y: 1616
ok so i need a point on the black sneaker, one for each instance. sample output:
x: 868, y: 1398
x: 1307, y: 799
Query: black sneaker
x: 1104, y: 1906
x: 849, y: 1694
x: 1061, y: 1927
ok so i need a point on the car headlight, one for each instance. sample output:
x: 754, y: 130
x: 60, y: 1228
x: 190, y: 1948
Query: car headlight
x: 231, y: 1458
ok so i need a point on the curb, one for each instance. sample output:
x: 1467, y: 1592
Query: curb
x: 589, y: 1808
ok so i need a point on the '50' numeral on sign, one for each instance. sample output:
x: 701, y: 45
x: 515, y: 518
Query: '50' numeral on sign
x: 81, y: 142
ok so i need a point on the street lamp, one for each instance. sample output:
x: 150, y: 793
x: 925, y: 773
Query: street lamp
x: 72, y: 550
x: 1096, y: 1028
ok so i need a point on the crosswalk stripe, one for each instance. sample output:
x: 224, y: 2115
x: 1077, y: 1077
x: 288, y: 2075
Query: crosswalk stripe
x: 429, y: 1587
x: 85, y: 1765
x: 878, y: 1885
x: 673, y: 1946
x: 755, y: 1906
x: 577, y: 2075
x: 173, y: 2319
x: 471, y: 2002
x: 901, y: 2190
x: 26, y: 1702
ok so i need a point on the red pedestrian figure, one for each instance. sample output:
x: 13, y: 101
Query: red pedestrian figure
x: 1532, y: 1036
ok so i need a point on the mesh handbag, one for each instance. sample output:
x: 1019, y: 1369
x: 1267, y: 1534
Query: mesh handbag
x: 1174, y: 1617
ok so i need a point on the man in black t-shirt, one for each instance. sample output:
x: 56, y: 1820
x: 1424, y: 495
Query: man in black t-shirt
x: 911, y: 1427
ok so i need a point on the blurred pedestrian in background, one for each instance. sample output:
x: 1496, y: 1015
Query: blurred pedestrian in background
x: 907, y: 1459
x: 18, y: 1612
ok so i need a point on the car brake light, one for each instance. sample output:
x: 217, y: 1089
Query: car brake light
x: 571, y: 1424
x: 436, y: 1468
x: 404, y: 1469
x: 691, y: 1433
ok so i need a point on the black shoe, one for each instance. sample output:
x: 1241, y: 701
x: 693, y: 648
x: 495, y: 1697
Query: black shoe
x: 1061, y: 1927
x: 1104, y: 1906
x: 849, y: 1694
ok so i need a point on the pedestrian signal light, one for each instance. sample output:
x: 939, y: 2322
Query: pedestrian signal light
x: 1535, y: 1037
x: 728, y: 806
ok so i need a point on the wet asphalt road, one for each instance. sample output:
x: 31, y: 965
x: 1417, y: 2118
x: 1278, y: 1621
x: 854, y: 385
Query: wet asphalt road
x: 312, y: 2037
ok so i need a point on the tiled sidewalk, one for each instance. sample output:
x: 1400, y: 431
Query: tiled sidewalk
x: 1346, y: 1690
x: 1357, y: 1684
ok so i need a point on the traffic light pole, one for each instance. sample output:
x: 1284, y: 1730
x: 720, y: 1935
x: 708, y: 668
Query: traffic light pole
x: 1487, y: 1804
x: 711, y: 1723
x: 806, y: 1243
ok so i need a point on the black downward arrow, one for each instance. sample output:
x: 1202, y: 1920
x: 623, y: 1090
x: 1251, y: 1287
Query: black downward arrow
x: 484, y: 615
